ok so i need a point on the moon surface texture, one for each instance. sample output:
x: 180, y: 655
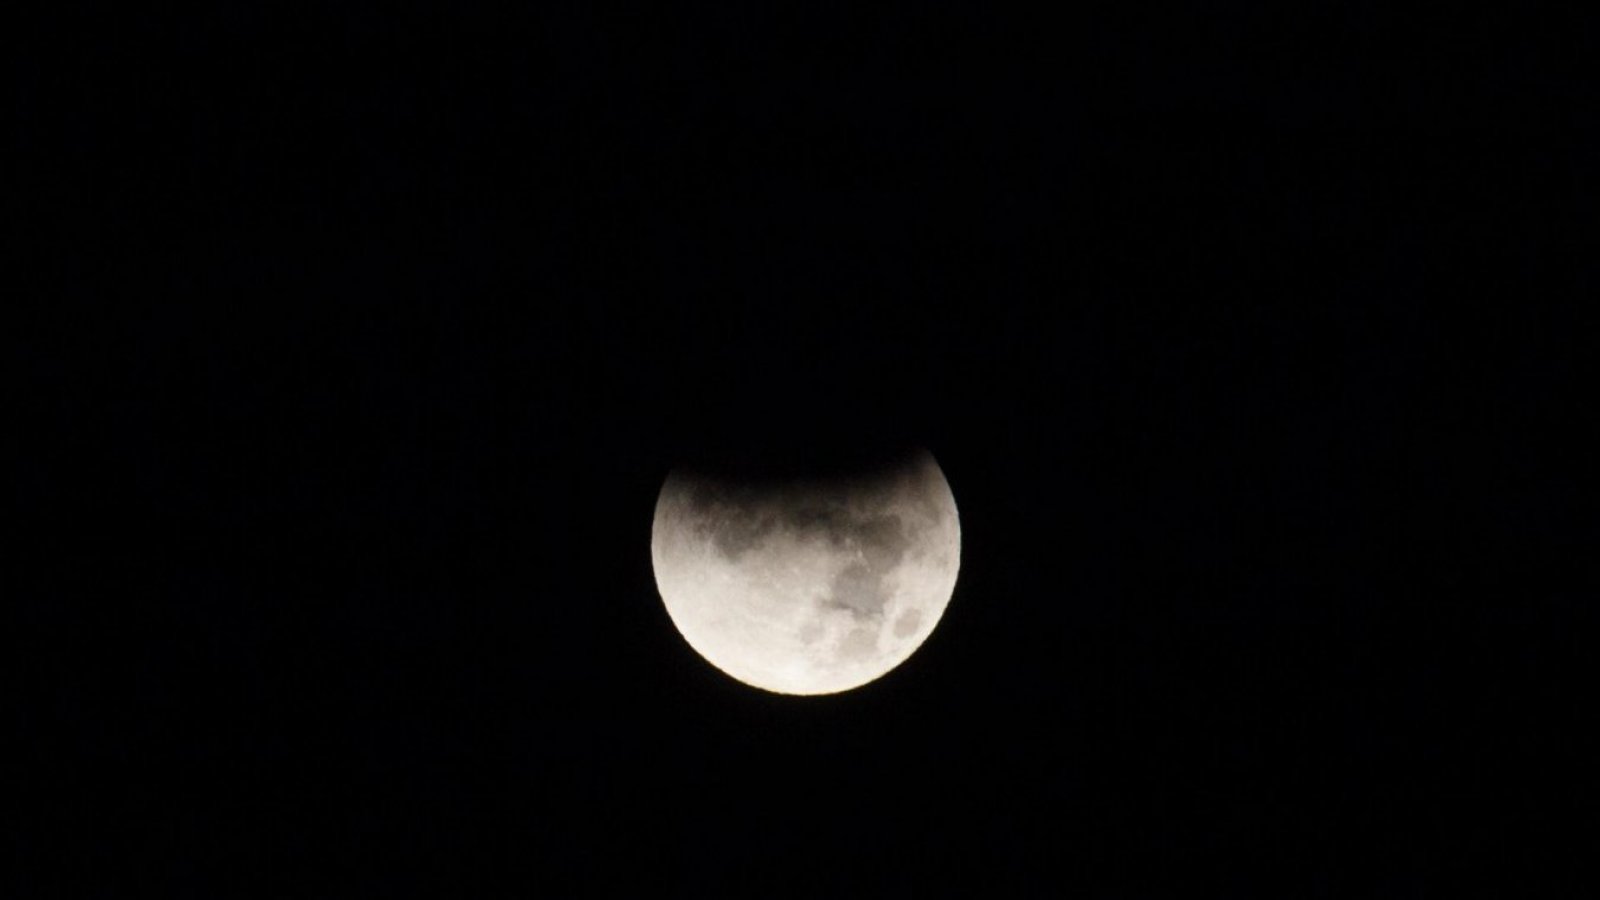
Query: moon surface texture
x: 807, y: 587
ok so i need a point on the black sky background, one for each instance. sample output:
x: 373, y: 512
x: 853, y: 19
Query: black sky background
x: 354, y: 345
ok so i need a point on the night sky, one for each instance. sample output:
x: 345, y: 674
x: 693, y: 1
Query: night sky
x: 355, y: 345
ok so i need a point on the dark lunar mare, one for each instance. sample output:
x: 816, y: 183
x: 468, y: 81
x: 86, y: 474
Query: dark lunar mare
x: 848, y: 512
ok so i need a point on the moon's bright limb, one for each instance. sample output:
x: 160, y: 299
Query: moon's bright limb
x: 807, y: 587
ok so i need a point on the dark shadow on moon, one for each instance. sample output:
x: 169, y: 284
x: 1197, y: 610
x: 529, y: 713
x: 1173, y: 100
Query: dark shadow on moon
x: 734, y: 538
x: 736, y: 521
x: 883, y: 540
x: 730, y: 518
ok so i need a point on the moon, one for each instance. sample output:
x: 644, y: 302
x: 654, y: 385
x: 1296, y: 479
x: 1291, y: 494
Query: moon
x: 807, y: 586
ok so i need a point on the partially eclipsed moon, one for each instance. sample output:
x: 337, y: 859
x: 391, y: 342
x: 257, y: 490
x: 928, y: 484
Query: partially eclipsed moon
x: 807, y: 587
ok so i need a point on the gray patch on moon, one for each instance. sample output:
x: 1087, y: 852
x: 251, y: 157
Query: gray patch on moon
x: 734, y: 536
x: 859, y: 590
x: 736, y: 521
x: 858, y: 644
x: 907, y: 624
x: 883, y: 541
x: 730, y: 519
x: 841, y: 526
x: 814, y: 520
